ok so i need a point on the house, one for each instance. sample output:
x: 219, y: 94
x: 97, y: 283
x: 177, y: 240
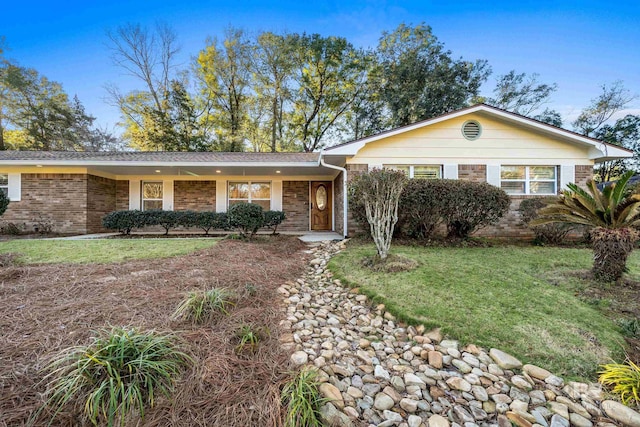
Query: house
x: 524, y: 157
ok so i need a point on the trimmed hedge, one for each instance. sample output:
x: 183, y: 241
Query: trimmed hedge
x: 4, y: 202
x: 247, y: 218
x: 462, y: 206
x: 125, y: 221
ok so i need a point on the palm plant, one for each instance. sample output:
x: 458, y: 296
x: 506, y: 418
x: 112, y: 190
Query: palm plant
x: 613, y: 213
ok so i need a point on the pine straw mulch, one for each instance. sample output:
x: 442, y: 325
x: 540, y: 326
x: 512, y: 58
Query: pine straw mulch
x: 46, y: 308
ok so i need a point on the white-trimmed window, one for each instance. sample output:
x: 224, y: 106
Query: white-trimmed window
x: 4, y: 183
x: 151, y: 195
x: 539, y: 180
x: 418, y: 171
x: 258, y: 192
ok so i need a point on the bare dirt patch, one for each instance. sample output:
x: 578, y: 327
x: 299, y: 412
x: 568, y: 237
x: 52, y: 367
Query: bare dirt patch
x: 46, y: 308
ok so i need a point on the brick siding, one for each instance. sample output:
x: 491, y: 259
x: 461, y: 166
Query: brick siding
x: 295, y: 204
x: 122, y: 195
x: 62, y: 198
x: 354, y: 170
x: 475, y: 173
x: 338, y: 200
x: 194, y: 195
x: 101, y: 199
x: 584, y: 173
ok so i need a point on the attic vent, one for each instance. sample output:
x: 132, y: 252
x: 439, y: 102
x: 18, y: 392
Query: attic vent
x: 471, y: 130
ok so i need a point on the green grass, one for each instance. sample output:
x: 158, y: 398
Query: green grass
x: 100, y: 250
x: 301, y: 398
x: 519, y: 299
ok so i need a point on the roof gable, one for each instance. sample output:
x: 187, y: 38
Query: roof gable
x: 598, y: 150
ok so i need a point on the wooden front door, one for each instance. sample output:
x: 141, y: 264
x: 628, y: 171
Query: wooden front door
x: 321, y: 205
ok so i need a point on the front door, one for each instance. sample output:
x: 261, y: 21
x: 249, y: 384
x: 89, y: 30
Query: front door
x: 321, y: 207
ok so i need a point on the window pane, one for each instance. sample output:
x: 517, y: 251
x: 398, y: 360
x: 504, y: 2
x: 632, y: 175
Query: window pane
x: 542, y: 187
x: 266, y: 204
x: 152, y: 190
x: 426, y: 172
x: 239, y: 190
x: 151, y: 204
x: 542, y: 172
x: 513, y: 187
x: 402, y: 168
x: 512, y: 172
x: 260, y: 190
x: 4, y: 179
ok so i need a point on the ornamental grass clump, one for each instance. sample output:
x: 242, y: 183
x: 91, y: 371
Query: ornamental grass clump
x: 623, y: 380
x: 613, y: 213
x: 301, y: 399
x: 121, y: 373
x: 202, y: 306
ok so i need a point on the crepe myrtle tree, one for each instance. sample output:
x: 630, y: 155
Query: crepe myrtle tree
x: 379, y: 190
x: 614, y: 215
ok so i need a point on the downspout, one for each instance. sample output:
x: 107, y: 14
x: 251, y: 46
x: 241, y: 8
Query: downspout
x: 345, y: 201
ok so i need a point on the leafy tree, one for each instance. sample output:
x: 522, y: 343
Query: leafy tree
x: 273, y: 69
x: 613, y: 212
x: 379, y: 191
x: 625, y: 132
x: 592, y: 122
x: 224, y: 74
x: 521, y: 93
x: 549, y: 116
x: 419, y: 78
x: 329, y: 73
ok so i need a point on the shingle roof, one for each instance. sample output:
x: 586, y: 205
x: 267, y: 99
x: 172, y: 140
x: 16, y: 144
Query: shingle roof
x: 159, y: 156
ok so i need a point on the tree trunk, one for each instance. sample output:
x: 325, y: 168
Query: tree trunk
x: 611, y: 247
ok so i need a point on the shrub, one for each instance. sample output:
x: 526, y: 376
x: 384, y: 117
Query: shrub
x: 302, y: 400
x: 630, y: 327
x: 121, y: 372
x: 123, y: 221
x: 625, y: 380
x: 12, y: 228
x: 553, y: 233
x: 4, y: 203
x: 165, y: 219
x: 247, y: 218
x: 380, y: 191
x: 201, y: 306
x: 42, y: 224
x: 469, y: 206
x: 212, y: 220
x: 273, y: 219
x: 420, y: 208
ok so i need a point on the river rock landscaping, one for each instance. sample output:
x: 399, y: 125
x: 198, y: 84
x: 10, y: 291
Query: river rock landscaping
x: 377, y: 372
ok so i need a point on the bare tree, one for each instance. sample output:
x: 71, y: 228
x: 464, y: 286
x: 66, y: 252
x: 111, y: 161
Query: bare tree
x: 379, y: 191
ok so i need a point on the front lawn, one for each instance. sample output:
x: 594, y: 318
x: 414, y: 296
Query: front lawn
x: 528, y: 301
x: 100, y: 250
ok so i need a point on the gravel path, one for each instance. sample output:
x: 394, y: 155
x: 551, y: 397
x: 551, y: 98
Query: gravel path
x: 378, y: 372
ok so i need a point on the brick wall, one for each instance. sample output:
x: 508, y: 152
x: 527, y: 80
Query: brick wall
x: 476, y: 173
x: 354, y: 170
x: 295, y: 203
x: 584, y: 173
x: 59, y: 197
x: 338, y: 200
x: 194, y: 195
x: 101, y: 199
x: 122, y: 195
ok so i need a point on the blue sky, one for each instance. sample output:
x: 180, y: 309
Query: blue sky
x: 578, y: 44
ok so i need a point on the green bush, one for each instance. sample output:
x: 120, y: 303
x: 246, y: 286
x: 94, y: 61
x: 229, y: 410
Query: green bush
x: 212, y: 220
x: 553, y: 233
x: 247, y: 218
x: 4, y: 203
x: 469, y: 206
x: 121, y: 373
x: 463, y: 206
x: 420, y: 210
x: 165, y: 219
x: 273, y: 219
x: 123, y: 221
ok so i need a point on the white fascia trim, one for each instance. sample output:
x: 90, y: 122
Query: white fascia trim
x: 353, y: 148
x: 148, y: 163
